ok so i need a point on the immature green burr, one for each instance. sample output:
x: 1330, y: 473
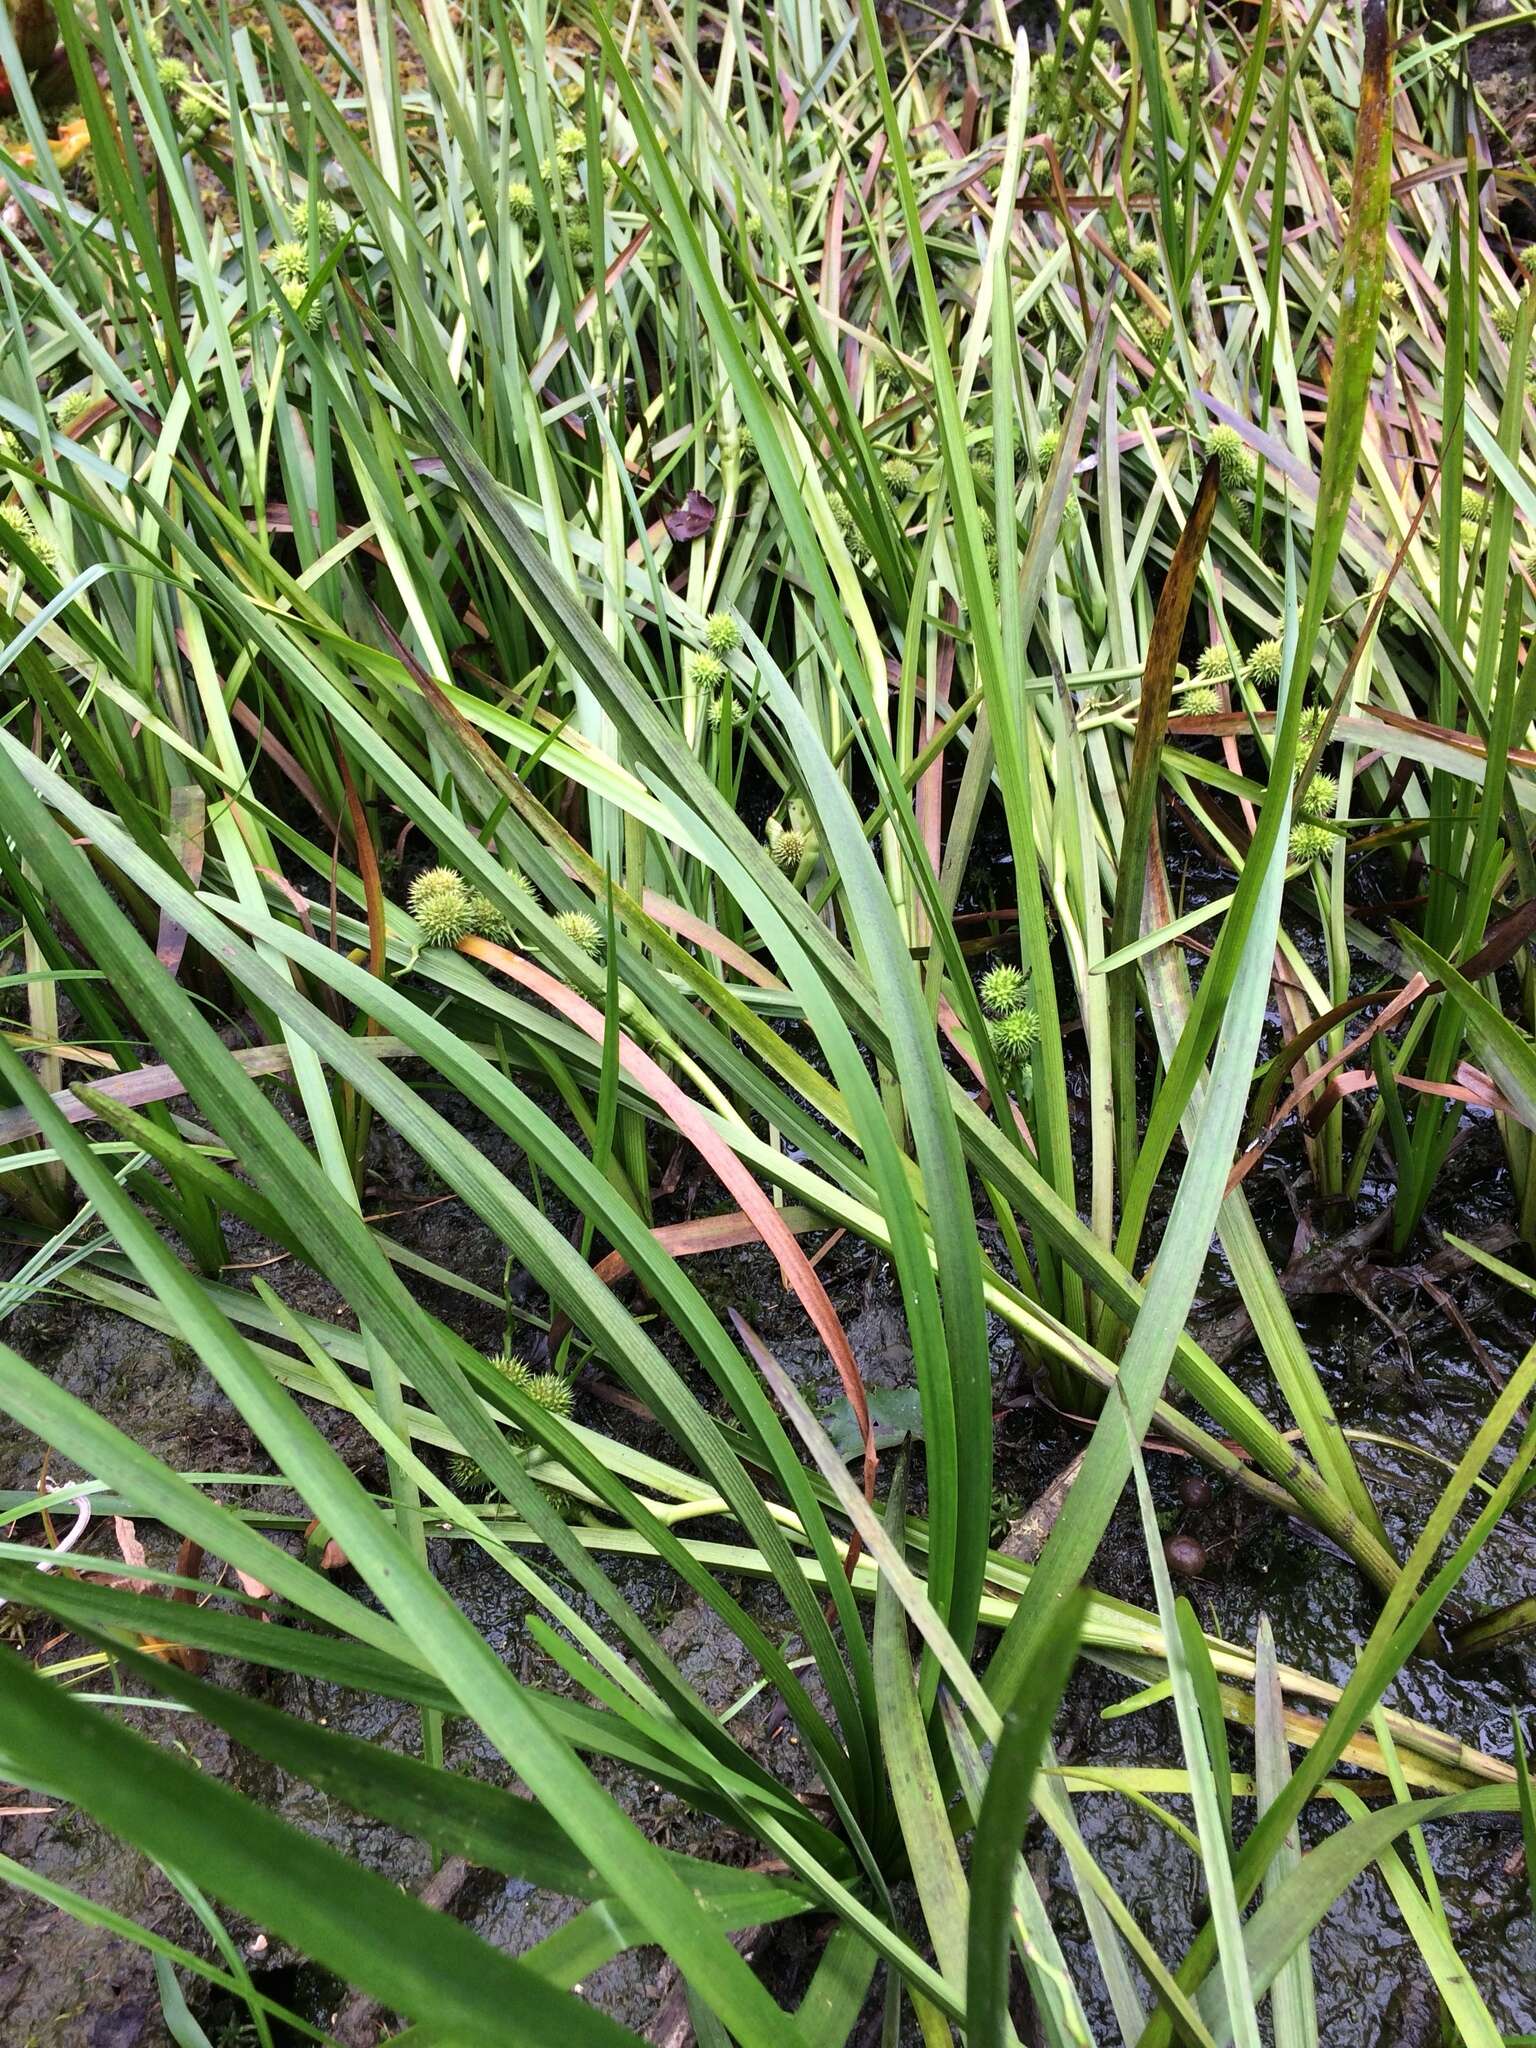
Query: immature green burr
x: 1002, y: 990
x: 442, y: 905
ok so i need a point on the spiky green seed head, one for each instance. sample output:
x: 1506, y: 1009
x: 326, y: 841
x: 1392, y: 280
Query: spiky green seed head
x: 746, y: 445
x: 1150, y: 325
x: 511, y: 1365
x: 1319, y: 797
x: 570, y: 143
x: 935, y: 158
x: 1527, y: 259
x: 1003, y: 990
x: 442, y: 905
x: 787, y: 849
x: 10, y: 446
x: 1071, y: 518
x: 1503, y: 320
x: 1183, y: 75
x: 901, y: 476
x: 1079, y: 21
x: 520, y: 205
x: 290, y: 262
x: 1235, y: 458
x: 1215, y: 663
x: 1342, y: 186
x: 1045, y: 449
x: 583, y: 931
x: 722, y: 635
x: 173, y: 76
x: 716, y: 712
x: 1392, y: 293
x: 710, y: 672
x: 1333, y: 134
x: 330, y: 221
x: 1101, y: 94
x: 196, y: 112
x: 578, y: 239
x: 1473, y: 537
x: 20, y: 525
x: 466, y: 1477
x: 1144, y: 257
x: 986, y: 526
x: 551, y: 1391
x: 295, y: 292
x: 1014, y: 1036
x: 1263, y: 666
x: 1201, y: 700
x: 1139, y: 182
x: 983, y: 468
x: 72, y: 408
x: 1309, y: 842
x: 489, y: 921
x: 1318, y: 94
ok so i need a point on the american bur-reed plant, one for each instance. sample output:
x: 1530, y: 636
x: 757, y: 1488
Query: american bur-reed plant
x: 587, y: 523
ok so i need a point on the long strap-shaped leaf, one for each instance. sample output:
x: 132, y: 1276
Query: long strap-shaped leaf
x: 917, y: 1794
x: 455, y: 1815
x: 360, y: 1925
x: 1141, y: 796
x: 1005, y: 1811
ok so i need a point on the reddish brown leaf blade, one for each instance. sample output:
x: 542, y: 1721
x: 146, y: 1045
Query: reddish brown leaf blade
x: 696, y: 1128
x: 189, y: 817
x: 1141, y: 795
x: 367, y: 867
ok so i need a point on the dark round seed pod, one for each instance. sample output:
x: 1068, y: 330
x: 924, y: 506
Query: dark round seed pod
x: 1186, y: 1556
x: 1195, y: 1490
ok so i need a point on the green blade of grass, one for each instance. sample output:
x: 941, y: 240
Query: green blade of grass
x: 358, y: 1924
x: 918, y: 1797
x: 1006, y: 1806
x: 1293, y: 2001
